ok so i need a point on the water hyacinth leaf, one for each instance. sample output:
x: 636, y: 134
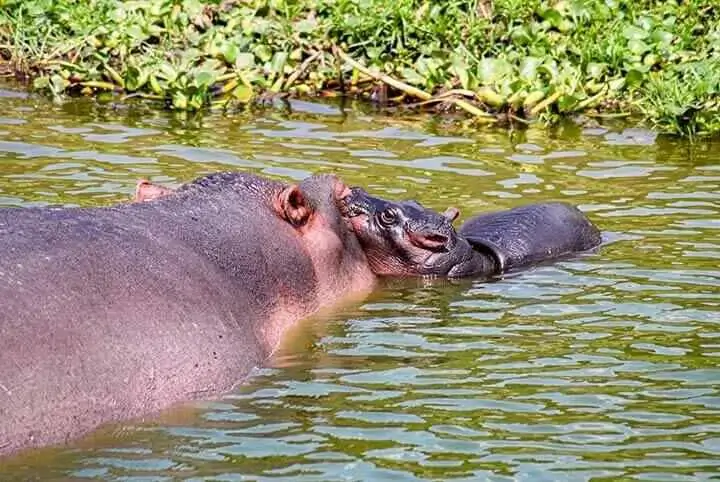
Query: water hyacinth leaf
x: 552, y: 17
x: 596, y: 70
x: 305, y: 25
x: 135, y: 78
x: 491, y: 70
x: 180, y: 101
x: 529, y: 67
x: 412, y: 77
x: 565, y: 25
x: 426, y: 67
x: 634, y: 77
x: 550, y: 69
x: 136, y: 32
x: 243, y: 93
x: 567, y: 102
x: 58, y: 84
x: 490, y: 97
x: 196, y: 101
x: 297, y: 54
x: 533, y: 98
x: 460, y: 69
x: 167, y: 72
x: 616, y: 84
x: 638, y: 47
x: 632, y: 32
x: 662, y: 37
x: 593, y: 87
x: 229, y: 51
x: 651, y: 59
x: 373, y: 52
x: 245, y: 60
x: 204, y: 78
x: 278, y: 62
x: 263, y: 53
x: 41, y: 82
x: 155, y: 85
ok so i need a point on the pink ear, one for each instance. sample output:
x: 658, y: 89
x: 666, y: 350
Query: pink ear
x: 147, y: 191
x: 428, y: 240
x: 291, y: 206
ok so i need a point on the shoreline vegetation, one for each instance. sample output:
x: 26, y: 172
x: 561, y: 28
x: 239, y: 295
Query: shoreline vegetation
x: 495, y: 62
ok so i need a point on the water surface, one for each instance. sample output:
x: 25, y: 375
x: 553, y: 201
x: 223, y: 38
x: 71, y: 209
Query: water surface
x: 602, y: 367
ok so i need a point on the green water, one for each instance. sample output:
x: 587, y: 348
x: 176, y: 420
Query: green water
x: 598, y: 368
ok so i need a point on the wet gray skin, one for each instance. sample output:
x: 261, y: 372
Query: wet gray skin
x: 116, y: 312
x: 406, y: 239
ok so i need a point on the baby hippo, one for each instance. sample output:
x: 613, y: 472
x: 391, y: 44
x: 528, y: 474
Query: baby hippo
x: 406, y: 239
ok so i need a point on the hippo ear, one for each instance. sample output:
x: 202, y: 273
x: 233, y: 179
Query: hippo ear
x: 147, y: 191
x: 292, y: 206
x: 430, y: 240
x: 451, y: 214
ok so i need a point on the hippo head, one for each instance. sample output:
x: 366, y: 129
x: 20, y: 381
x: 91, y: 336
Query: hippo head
x: 314, y: 208
x: 406, y: 239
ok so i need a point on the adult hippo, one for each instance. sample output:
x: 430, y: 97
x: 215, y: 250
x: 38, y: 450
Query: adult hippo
x: 111, y: 313
x: 404, y: 238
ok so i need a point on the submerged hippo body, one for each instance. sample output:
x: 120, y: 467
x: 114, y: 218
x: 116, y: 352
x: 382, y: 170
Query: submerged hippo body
x: 406, y: 239
x: 112, y: 313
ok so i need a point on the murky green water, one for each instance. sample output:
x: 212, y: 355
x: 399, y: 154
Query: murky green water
x: 600, y: 368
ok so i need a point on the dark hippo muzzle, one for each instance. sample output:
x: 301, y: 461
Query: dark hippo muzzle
x: 406, y: 239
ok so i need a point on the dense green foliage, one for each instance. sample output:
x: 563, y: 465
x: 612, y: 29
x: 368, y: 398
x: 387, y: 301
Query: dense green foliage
x: 518, y: 58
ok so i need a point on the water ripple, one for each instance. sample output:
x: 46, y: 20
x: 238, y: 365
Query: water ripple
x: 600, y: 367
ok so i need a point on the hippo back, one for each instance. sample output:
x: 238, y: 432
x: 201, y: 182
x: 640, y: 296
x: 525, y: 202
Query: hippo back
x: 532, y: 233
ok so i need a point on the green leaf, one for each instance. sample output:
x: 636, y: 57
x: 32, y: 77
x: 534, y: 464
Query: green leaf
x: 205, y: 78
x: 596, y: 70
x: 460, y: 69
x: 180, y: 101
x: 307, y: 25
x: 616, y: 84
x: 167, y: 72
x: 58, y: 84
x: 638, y: 47
x: 278, y: 62
x: 662, y: 37
x: 40, y: 83
x: 491, y: 70
x: 243, y: 93
x: 245, y: 60
x: 632, y: 32
x: 263, y: 52
x: 412, y: 77
x: 229, y: 52
x: 634, y: 77
x: 567, y: 102
x: 529, y: 67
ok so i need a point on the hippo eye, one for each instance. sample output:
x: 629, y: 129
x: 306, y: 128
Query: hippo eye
x: 388, y: 217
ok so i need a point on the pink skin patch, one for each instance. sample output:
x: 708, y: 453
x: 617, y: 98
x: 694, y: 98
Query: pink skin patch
x: 147, y: 191
x: 342, y: 268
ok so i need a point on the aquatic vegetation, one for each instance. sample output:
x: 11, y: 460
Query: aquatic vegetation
x: 508, y: 60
